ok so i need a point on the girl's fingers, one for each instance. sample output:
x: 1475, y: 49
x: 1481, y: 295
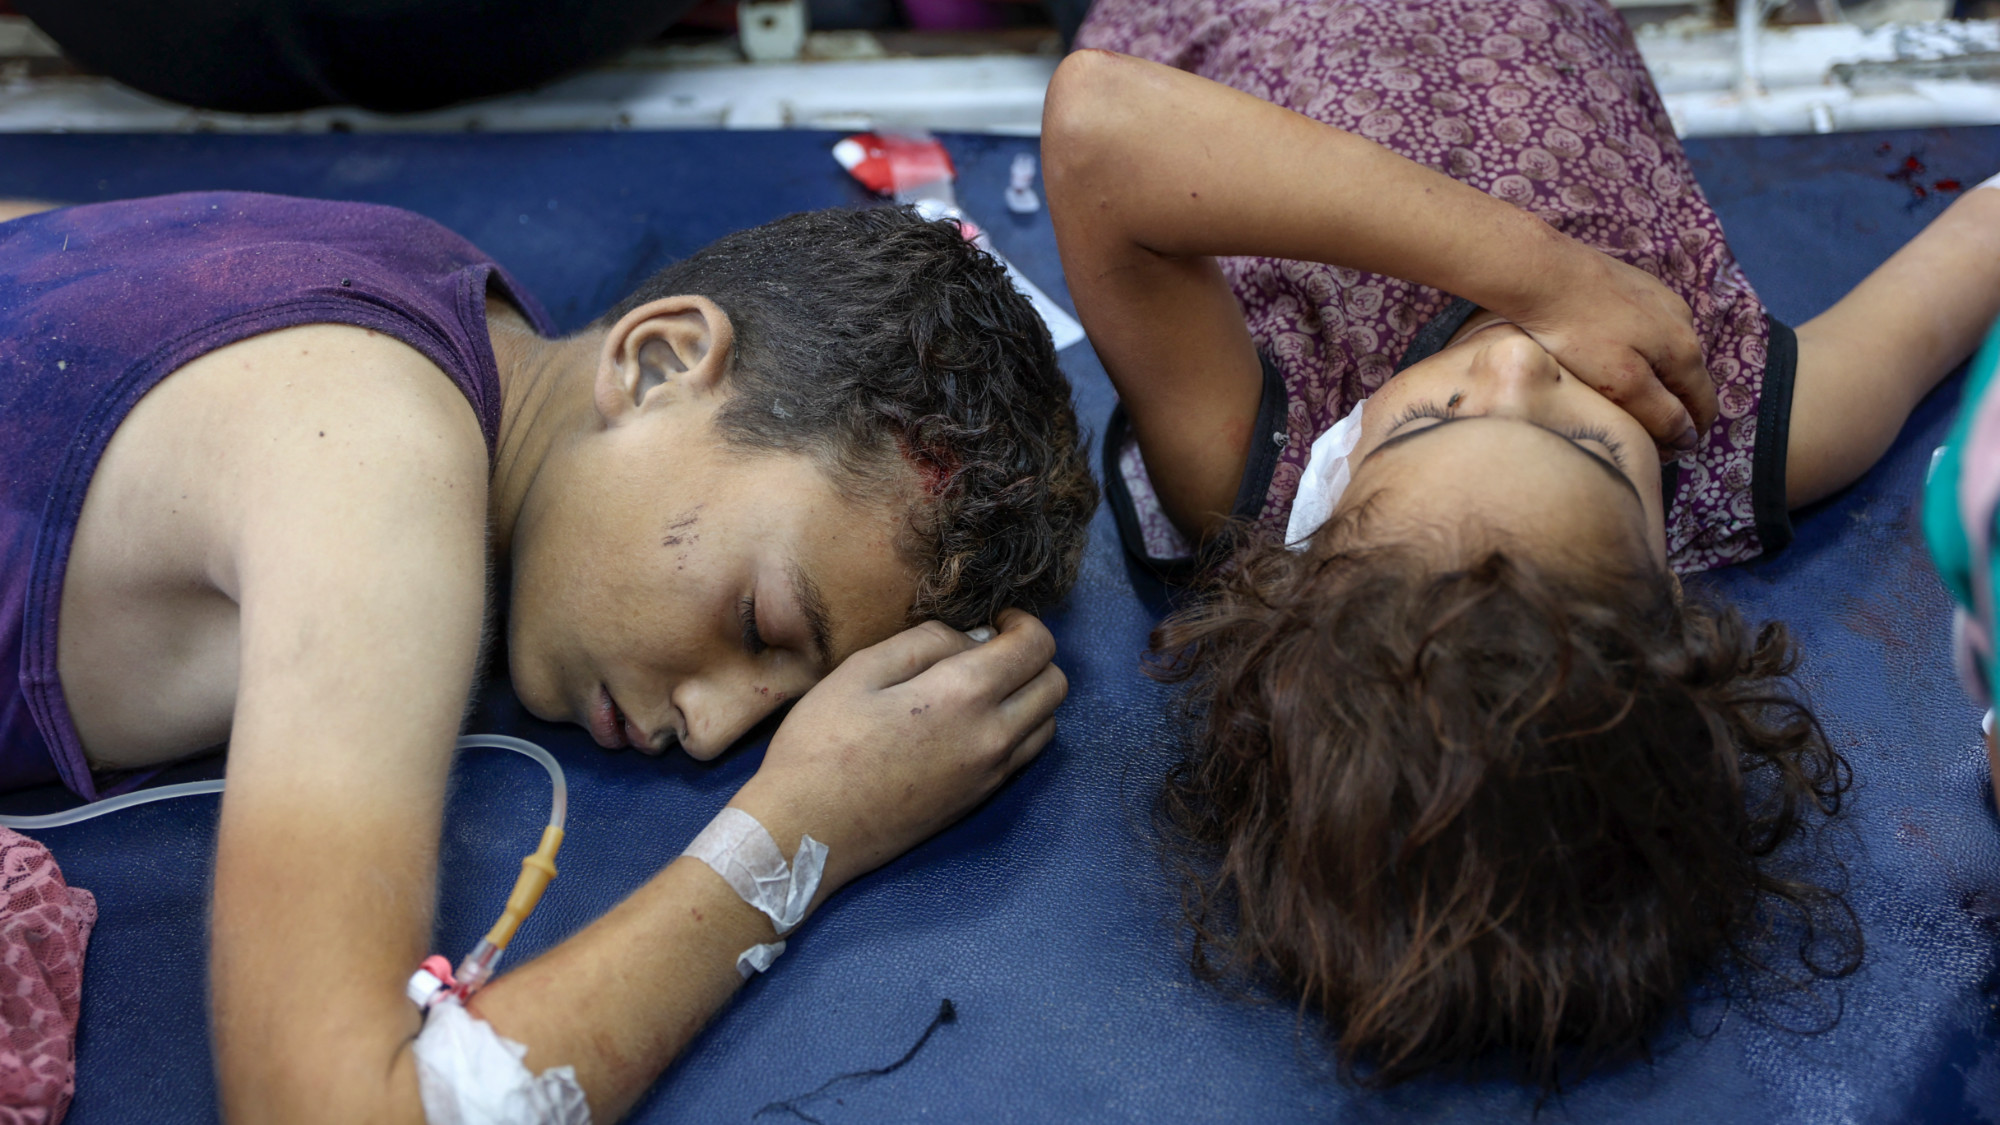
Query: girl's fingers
x: 1661, y: 409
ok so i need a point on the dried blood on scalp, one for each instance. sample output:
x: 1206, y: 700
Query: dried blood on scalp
x: 935, y: 466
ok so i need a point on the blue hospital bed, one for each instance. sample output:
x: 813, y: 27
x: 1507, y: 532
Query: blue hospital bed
x: 1047, y: 918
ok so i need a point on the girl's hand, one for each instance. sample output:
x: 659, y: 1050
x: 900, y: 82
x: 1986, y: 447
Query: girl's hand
x: 1629, y: 337
x: 904, y: 738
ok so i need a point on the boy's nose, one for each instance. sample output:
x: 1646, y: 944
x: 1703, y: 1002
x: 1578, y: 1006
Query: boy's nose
x: 719, y: 714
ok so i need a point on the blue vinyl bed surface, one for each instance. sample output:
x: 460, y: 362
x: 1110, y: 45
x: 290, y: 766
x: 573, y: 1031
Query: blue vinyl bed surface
x: 1047, y: 918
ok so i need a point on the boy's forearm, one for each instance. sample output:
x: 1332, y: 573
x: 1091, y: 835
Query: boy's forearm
x: 617, y: 1001
x: 1181, y: 166
x: 620, y: 1000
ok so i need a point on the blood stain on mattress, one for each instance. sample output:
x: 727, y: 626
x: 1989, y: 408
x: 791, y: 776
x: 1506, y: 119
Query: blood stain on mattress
x: 1907, y: 174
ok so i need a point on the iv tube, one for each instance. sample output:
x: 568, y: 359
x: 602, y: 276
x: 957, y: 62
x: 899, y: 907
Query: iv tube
x: 558, y: 809
x: 99, y: 808
x: 559, y: 795
x: 536, y: 870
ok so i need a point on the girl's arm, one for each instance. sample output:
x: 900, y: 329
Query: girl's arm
x: 1865, y: 362
x: 1151, y: 172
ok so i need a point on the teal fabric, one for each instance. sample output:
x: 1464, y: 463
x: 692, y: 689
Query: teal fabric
x: 1951, y: 545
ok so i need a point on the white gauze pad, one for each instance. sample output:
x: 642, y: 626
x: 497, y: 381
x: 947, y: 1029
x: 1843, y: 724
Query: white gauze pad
x: 748, y: 859
x: 1325, y: 478
x: 1991, y: 181
x: 469, y: 1074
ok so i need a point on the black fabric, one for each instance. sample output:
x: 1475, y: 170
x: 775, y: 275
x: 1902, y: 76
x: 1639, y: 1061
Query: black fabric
x: 268, y: 56
x: 1068, y: 16
x: 1437, y: 332
x: 1267, y: 443
x: 1774, y: 438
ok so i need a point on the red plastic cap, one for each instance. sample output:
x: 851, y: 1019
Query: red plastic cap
x: 440, y: 968
x: 884, y: 163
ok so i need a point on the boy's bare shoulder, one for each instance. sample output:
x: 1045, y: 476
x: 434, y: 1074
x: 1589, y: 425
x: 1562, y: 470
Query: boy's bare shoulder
x: 322, y: 465
x: 286, y: 379
x: 331, y: 429
x: 321, y: 398
x: 309, y: 433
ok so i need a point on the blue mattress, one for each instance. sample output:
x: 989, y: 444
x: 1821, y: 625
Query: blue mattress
x: 1047, y: 918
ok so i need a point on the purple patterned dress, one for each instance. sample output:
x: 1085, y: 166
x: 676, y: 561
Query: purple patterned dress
x: 1542, y: 103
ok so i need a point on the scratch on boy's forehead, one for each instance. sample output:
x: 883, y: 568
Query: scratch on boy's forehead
x: 681, y: 529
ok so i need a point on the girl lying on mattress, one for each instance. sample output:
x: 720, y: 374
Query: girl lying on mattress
x: 1477, y: 381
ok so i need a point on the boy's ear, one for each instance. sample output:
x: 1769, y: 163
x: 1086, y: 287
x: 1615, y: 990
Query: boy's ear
x: 675, y: 349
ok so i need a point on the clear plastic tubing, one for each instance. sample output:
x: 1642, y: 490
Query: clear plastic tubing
x: 558, y: 804
x: 558, y: 788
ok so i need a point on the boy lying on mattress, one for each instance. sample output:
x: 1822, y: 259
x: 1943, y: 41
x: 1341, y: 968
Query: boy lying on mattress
x: 261, y: 459
x: 1472, y: 771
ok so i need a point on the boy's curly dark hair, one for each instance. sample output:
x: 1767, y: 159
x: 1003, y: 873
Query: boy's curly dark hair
x: 873, y: 339
x: 1492, y: 810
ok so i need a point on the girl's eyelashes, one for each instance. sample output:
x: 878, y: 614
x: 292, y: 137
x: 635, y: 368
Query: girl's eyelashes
x: 1423, y: 410
x: 1601, y: 436
x: 746, y: 613
x: 1597, y: 434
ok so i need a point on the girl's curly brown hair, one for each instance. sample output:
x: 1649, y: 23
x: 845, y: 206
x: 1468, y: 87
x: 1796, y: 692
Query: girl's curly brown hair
x: 1494, y: 809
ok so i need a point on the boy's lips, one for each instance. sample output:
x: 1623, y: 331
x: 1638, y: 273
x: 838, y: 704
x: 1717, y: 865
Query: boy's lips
x: 608, y: 725
x: 615, y: 730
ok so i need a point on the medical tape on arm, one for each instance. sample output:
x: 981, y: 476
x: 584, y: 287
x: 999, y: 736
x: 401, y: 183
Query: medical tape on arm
x: 1991, y: 181
x: 470, y: 1074
x: 738, y: 848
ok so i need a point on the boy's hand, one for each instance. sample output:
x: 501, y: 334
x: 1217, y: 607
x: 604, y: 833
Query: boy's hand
x: 1629, y: 337
x: 904, y: 738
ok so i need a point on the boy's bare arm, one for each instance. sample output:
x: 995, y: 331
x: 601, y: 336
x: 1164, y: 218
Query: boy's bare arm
x: 1866, y: 362
x: 1152, y: 172
x: 901, y: 740
x: 358, y: 562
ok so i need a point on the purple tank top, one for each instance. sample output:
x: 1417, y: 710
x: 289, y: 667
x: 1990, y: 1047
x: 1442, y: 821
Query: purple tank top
x: 98, y: 304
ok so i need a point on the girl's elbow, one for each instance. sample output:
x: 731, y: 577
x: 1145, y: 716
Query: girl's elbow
x: 1077, y: 111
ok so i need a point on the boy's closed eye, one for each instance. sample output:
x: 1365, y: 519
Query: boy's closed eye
x: 753, y: 638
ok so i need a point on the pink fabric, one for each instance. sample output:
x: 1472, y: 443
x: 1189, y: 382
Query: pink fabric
x: 1978, y: 497
x: 44, y: 927
x: 1542, y: 103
